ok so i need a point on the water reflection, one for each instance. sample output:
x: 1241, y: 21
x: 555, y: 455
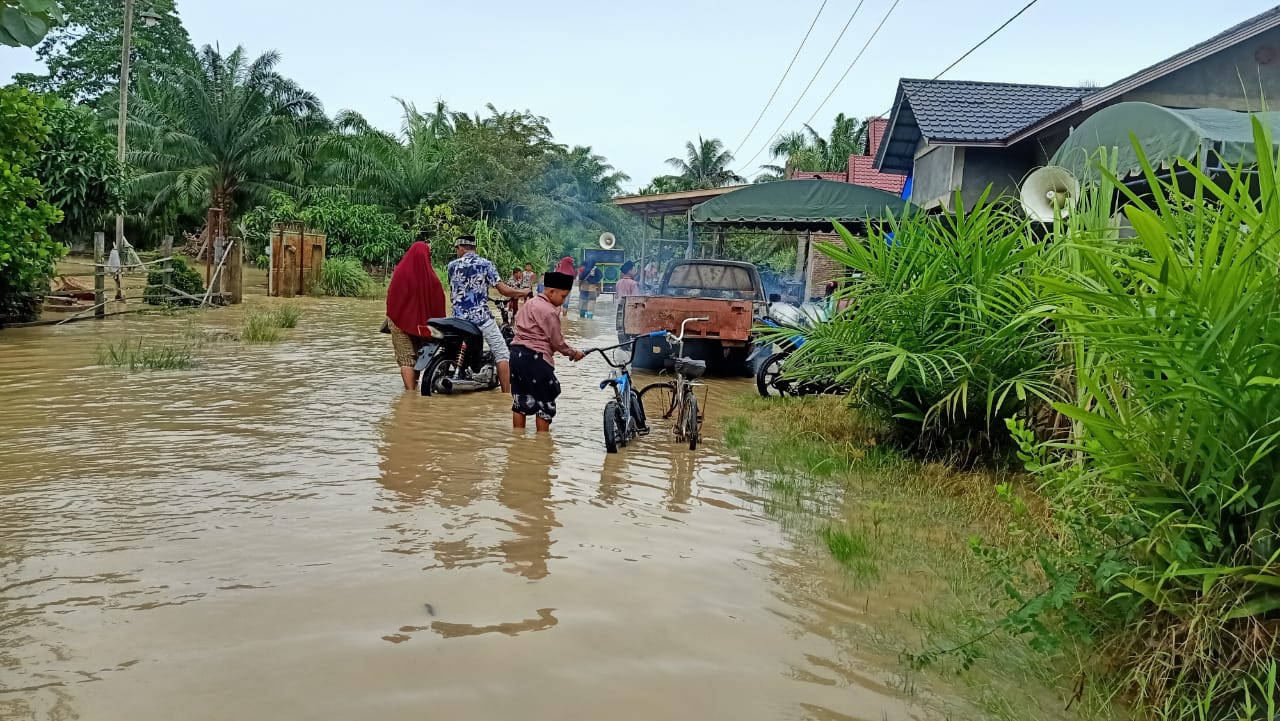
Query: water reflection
x: 525, y: 490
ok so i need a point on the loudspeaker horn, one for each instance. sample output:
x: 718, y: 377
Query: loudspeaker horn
x: 607, y: 241
x: 1049, y: 192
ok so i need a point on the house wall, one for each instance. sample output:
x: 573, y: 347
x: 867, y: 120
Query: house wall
x: 936, y: 175
x: 1001, y: 168
x: 1241, y: 77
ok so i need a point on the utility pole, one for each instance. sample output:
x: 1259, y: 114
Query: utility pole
x: 125, y: 39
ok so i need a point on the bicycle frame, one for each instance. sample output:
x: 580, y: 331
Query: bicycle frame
x: 620, y: 379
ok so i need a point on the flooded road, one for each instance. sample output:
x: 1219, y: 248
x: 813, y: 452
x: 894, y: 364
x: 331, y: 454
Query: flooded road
x: 281, y: 533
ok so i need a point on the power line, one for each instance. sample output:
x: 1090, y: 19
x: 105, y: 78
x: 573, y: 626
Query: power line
x: 995, y: 32
x: 982, y: 42
x: 865, y: 45
x: 780, y: 80
x: 807, y: 87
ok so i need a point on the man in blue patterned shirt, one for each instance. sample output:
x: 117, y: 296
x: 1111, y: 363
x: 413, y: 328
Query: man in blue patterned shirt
x: 470, y: 278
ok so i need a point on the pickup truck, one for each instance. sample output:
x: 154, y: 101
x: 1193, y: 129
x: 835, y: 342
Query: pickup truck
x: 729, y: 293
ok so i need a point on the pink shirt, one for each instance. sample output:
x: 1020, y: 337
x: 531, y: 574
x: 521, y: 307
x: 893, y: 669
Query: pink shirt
x: 538, y: 328
x: 626, y: 287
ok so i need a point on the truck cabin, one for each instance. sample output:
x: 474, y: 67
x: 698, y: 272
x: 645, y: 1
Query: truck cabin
x: 722, y: 280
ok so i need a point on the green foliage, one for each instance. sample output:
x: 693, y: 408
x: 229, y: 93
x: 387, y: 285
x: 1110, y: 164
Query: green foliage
x: 705, y: 165
x: 27, y: 252
x: 79, y: 171
x: 261, y: 327
x: 363, y: 232
x: 222, y: 132
x: 184, y: 278
x: 345, y: 277
x: 942, y: 336
x: 1169, y: 486
x: 807, y: 150
x: 140, y: 355
x: 287, y: 315
x: 25, y: 22
x: 82, y: 52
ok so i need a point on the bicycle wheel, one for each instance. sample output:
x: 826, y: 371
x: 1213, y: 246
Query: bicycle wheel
x: 660, y: 398
x: 769, y: 381
x: 689, y: 419
x: 613, y: 428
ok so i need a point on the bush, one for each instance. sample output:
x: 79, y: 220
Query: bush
x: 28, y: 255
x: 184, y: 278
x: 79, y: 171
x: 345, y: 277
x: 1169, y: 493
x: 941, y: 337
x: 264, y: 324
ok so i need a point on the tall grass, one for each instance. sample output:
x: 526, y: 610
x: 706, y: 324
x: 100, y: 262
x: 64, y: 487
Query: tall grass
x: 263, y: 325
x: 140, y: 355
x: 941, y: 336
x: 345, y: 277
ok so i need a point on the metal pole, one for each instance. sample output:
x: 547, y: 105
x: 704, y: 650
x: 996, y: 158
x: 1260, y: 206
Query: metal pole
x: 688, y: 253
x: 125, y: 40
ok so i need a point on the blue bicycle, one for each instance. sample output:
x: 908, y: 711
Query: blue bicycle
x: 624, y: 414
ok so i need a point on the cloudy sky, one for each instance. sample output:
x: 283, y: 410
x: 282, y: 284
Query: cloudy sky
x: 636, y: 80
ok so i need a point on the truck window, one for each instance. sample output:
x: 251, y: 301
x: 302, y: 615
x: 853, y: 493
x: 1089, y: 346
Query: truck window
x: 697, y: 280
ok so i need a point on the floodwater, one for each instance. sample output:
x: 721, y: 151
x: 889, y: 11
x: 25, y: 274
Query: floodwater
x: 282, y: 533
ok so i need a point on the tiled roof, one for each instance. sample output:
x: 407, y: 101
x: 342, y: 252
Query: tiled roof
x: 875, y: 133
x: 862, y: 172
x: 967, y: 111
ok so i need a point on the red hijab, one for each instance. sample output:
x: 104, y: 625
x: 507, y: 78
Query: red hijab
x: 415, y: 295
x: 565, y: 266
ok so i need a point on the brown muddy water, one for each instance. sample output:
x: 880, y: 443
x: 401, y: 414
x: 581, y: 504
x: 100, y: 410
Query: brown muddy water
x: 281, y: 533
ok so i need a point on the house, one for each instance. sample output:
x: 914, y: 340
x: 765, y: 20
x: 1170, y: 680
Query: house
x: 949, y: 135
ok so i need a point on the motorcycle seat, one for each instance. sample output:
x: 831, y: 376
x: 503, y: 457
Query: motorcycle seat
x: 454, y: 325
x: 690, y: 368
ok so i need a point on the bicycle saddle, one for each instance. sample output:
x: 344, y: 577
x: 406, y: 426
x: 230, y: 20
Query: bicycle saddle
x: 691, y: 368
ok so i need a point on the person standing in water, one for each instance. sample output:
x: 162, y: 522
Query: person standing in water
x: 470, y: 278
x: 539, y: 336
x: 627, y: 284
x: 589, y: 288
x: 415, y: 296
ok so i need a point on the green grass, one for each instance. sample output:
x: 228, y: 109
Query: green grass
x: 901, y: 530
x: 264, y: 325
x: 140, y: 355
x: 345, y: 277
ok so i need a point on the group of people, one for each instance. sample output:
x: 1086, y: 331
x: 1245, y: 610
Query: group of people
x: 526, y: 370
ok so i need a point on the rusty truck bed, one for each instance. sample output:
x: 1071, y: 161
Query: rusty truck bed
x: 731, y: 320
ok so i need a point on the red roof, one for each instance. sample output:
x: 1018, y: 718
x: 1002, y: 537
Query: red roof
x: 863, y: 172
x: 875, y: 134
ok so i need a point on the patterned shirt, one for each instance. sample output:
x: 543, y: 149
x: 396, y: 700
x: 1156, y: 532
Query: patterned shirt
x: 470, y: 278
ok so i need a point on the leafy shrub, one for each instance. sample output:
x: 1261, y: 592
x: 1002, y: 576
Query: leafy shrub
x: 184, y: 278
x: 287, y: 315
x: 28, y: 255
x: 940, y: 337
x: 345, y: 277
x: 79, y: 171
x: 263, y: 325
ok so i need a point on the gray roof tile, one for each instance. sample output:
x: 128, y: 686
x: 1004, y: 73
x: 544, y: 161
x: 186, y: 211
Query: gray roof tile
x: 969, y: 111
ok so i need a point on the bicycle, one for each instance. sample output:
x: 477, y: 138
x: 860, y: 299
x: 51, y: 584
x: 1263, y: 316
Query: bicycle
x: 624, y: 415
x: 677, y: 396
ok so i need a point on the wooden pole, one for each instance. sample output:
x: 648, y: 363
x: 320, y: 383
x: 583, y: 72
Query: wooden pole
x: 123, y: 117
x: 233, y: 273
x: 99, y: 273
x: 220, y: 248
x: 166, y: 266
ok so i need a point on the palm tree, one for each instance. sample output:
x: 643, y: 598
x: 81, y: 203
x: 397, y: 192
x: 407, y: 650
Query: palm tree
x: 397, y: 172
x: 806, y: 150
x: 706, y: 165
x: 223, y: 132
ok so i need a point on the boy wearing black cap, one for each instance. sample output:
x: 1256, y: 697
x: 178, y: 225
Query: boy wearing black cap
x: 534, y: 386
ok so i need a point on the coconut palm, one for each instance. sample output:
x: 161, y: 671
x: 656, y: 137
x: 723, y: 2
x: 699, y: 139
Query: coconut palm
x: 223, y: 132
x: 706, y: 165
x: 807, y: 150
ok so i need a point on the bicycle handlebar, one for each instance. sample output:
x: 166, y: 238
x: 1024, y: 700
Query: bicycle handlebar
x: 685, y: 322
x: 632, y: 343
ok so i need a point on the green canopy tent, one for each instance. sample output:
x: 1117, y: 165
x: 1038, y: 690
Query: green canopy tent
x: 802, y: 207
x: 1208, y: 137
x: 797, y: 205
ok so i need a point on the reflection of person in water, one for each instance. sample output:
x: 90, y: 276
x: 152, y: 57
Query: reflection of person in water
x: 526, y: 491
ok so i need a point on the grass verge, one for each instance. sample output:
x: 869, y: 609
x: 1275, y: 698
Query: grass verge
x: 903, y: 535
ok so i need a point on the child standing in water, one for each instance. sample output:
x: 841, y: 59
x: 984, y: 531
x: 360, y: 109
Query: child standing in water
x: 534, y: 386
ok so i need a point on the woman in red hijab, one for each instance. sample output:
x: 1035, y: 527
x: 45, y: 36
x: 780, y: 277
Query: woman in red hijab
x: 415, y: 296
x: 565, y: 266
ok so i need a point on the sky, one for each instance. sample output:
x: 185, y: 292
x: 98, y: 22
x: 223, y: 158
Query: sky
x: 636, y: 80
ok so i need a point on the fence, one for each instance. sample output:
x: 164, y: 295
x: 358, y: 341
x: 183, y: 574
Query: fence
x: 225, y: 282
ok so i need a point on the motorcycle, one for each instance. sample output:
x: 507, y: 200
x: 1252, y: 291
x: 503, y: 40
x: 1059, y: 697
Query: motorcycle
x: 455, y: 359
x: 770, y: 380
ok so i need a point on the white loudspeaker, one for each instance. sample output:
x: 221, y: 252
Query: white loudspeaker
x: 607, y: 241
x: 1048, y: 192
